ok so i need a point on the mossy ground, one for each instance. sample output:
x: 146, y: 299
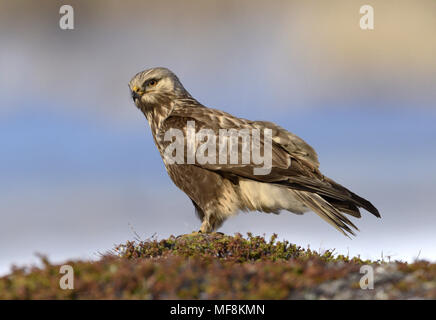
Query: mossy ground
x: 216, y: 266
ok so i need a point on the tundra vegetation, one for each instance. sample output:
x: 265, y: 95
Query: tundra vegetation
x: 216, y: 266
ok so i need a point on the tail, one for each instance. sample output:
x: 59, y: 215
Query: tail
x: 331, y: 208
x: 326, y: 211
x: 352, y: 202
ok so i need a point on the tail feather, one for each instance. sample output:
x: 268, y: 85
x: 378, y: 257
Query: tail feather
x: 326, y: 211
x: 345, y: 207
x: 355, y: 199
x: 332, y: 192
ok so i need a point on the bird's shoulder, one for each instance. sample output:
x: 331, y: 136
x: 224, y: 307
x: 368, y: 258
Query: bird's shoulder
x: 214, y: 118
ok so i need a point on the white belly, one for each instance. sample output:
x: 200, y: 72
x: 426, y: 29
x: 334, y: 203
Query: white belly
x: 269, y: 198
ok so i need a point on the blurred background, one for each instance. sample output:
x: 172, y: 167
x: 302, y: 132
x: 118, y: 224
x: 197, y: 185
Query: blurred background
x: 79, y: 171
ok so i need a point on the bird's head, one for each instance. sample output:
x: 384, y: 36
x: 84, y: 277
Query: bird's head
x: 154, y: 86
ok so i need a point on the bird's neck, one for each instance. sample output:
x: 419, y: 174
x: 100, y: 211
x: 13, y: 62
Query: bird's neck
x: 156, y: 114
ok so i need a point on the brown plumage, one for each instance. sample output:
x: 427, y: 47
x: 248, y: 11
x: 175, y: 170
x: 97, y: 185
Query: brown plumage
x: 219, y: 190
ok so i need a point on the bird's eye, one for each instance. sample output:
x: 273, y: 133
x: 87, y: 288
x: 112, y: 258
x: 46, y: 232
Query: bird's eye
x: 152, y: 83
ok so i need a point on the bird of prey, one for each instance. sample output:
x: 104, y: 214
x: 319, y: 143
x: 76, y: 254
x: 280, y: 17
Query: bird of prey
x: 221, y: 190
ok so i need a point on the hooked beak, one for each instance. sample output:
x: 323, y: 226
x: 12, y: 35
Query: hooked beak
x: 135, y: 96
x: 136, y: 93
